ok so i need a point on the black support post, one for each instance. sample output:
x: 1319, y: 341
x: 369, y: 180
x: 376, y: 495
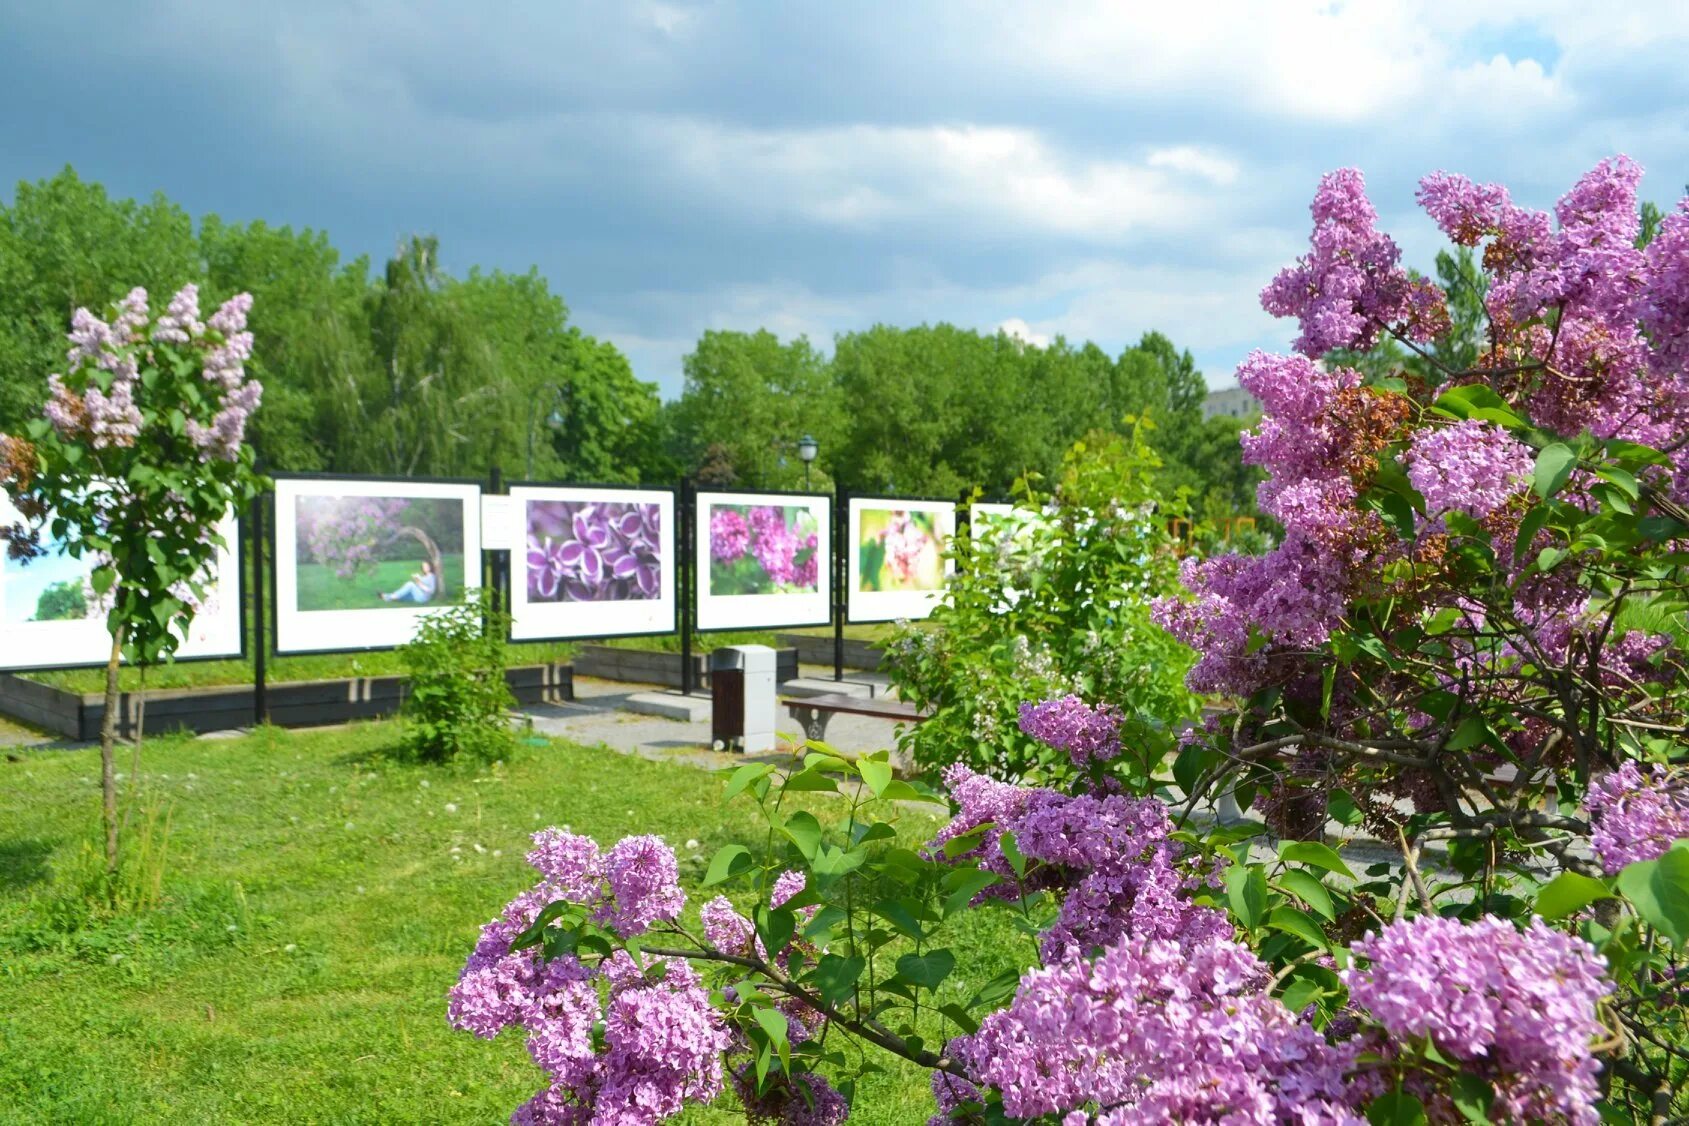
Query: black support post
x: 260, y: 626
x: 841, y: 575
x: 686, y: 580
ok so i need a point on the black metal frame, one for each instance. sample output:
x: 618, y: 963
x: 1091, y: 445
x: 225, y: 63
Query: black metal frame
x: 674, y: 494
x: 692, y: 553
x: 275, y: 558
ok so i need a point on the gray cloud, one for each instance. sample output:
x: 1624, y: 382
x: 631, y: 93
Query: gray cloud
x: 1082, y: 169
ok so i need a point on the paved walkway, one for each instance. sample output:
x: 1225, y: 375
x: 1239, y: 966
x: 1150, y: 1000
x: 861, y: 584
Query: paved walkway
x: 597, y: 716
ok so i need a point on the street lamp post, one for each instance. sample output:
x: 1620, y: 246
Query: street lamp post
x: 553, y: 421
x: 808, y: 447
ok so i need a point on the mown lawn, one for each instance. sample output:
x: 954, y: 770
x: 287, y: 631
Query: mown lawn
x: 315, y: 903
x: 322, y: 588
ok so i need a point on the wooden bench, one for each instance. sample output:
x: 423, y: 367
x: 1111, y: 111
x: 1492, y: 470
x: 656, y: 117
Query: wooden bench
x: 814, y: 712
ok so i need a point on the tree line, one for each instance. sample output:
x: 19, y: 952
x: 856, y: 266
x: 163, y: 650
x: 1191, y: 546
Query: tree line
x: 404, y: 369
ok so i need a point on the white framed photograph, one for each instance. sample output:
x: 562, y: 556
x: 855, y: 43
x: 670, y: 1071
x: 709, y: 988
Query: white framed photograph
x: 897, y: 552
x: 763, y: 559
x: 360, y: 560
x: 594, y: 561
x: 50, y: 616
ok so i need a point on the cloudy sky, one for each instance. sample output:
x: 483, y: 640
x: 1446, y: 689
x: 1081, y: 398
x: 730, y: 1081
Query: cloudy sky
x: 1087, y: 169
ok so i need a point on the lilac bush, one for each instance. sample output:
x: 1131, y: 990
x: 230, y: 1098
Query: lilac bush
x: 1467, y: 645
x: 591, y: 551
x: 138, y: 456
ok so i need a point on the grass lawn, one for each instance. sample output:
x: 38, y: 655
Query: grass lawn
x: 315, y: 903
x: 321, y: 588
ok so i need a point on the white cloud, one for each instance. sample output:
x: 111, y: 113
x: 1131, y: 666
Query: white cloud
x: 1020, y: 330
x: 1196, y: 162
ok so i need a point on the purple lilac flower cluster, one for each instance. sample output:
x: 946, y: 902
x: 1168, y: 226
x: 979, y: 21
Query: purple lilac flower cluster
x: 661, y: 1041
x: 1110, y: 855
x: 1637, y: 816
x: 769, y: 534
x: 1155, y: 1030
x: 1612, y: 365
x: 586, y: 551
x: 1351, y: 282
x: 804, y: 1100
x: 111, y: 417
x: 1517, y: 1008
x: 1472, y: 467
x: 1088, y: 735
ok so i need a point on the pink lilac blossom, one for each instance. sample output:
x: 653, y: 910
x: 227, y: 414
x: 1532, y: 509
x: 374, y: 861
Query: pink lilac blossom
x: 904, y: 542
x: 180, y: 322
x: 1156, y: 1031
x: 1637, y: 816
x: 730, y: 535
x: 644, y: 881
x: 1519, y: 1009
x: 773, y: 542
x: 1471, y: 466
x: 662, y: 1041
x: 1067, y: 723
x: 1111, y: 855
x: 1351, y: 282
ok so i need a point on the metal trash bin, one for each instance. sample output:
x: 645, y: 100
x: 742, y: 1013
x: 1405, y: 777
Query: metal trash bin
x: 742, y: 703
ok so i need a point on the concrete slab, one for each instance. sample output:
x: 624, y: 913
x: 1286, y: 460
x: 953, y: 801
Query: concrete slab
x: 817, y: 686
x: 669, y: 705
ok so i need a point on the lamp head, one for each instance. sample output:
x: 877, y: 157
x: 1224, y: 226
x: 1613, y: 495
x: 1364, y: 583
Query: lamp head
x: 807, y: 448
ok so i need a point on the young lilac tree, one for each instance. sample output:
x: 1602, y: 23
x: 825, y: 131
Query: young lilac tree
x: 140, y: 453
x: 1469, y: 644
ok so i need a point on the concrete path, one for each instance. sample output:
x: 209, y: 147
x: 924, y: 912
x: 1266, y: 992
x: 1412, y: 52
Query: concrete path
x: 596, y: 717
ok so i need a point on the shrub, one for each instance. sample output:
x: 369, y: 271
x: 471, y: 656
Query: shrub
x: 1052, y: 602
x: 459, y: 703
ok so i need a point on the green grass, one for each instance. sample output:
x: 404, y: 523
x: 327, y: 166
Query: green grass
x: 315, y: 904
x: 320, y: 588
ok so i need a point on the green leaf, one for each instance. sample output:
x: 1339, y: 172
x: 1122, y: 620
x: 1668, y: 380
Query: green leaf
x: 1569, y: 892
x: 1660, y: 891
x: 805, y: 832
x: 1474, y: 400
x: 1314, y: 853
x: 747, y: 774
x: 963, y: 885
x: 728, y: 862
x: 875, y: 773
x: 832, y: 861
x: 1528, y: 529
x: 1396, y: 1108
x: 773, y: 1022
x: 775, y: 926
x: 1473, y: 1097
x: 836, y: 977
x: 812, y: 781
x: 1292, y: 921
x: 899, y: 914
x: 926, y: 970
x: 1011, y: 852
x: 1307, y: 887
x: 964, y: 1019
x: 1246, y: 891
x: 1549, y: 558
x: 1472, y: 731
x: 1554, y: 464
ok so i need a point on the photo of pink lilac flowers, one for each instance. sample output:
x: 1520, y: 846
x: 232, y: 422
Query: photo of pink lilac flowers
x: 593, y: 551
x: 763, y: 549
x: 899, y: 549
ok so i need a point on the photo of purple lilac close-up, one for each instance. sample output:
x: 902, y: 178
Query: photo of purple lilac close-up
x: 591, y: 551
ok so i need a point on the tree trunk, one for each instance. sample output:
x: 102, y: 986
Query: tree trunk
x: 108, y: 739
